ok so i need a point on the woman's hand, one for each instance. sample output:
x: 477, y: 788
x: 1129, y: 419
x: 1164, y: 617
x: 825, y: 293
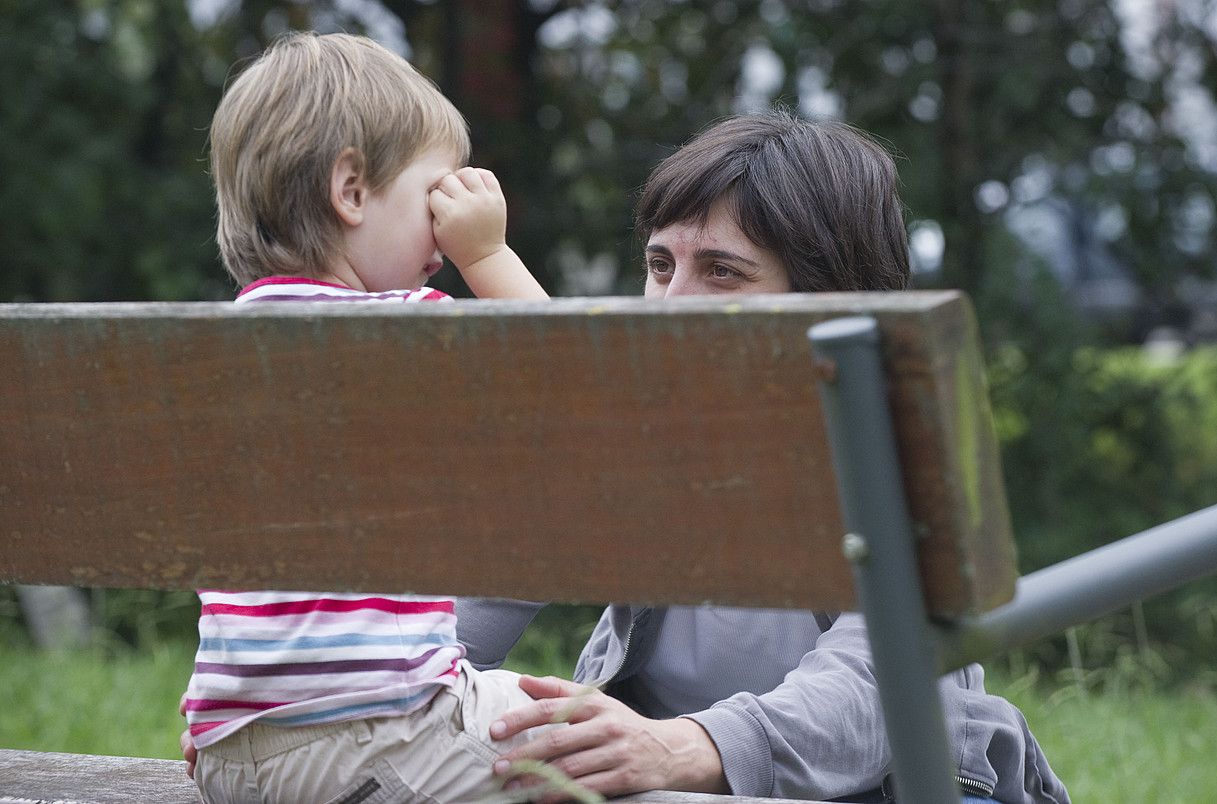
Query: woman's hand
x: 608, y: 747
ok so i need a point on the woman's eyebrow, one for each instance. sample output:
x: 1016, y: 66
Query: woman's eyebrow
x: 703, y: 254
x: 720, y: 254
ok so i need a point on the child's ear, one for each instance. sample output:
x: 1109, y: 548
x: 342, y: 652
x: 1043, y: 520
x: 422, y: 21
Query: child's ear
x: 348, y: 187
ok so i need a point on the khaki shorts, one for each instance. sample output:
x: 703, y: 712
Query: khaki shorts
x: 441, y: 753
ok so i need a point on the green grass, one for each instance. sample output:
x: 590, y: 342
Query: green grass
x: 1128, y: 744
x: 123, y: 702
x: 94, y: 702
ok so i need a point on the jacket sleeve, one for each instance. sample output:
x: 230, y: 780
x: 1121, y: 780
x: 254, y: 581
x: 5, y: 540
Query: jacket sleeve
x: 818, y: 734
x: 490, y: 627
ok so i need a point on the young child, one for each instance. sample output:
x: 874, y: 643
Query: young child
x: 339, y: 174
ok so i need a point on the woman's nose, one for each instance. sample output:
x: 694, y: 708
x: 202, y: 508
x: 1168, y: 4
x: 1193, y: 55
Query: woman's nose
x: 682, y: 283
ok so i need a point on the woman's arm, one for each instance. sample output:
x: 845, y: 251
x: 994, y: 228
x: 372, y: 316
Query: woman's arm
x: 819, y: 733
x: 490, y: 627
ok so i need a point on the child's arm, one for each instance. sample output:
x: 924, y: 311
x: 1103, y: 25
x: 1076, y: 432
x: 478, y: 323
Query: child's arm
x: 471, y: 229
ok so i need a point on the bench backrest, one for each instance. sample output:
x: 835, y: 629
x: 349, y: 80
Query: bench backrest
x: 577, y: 449
x: 595, y: 450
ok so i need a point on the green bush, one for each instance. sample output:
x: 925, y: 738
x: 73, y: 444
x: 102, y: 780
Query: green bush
x: 140, y: 618
x: 1100, y: 444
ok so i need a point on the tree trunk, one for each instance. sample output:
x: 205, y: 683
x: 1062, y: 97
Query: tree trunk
x: 962, y: 225
x: 57, y: 616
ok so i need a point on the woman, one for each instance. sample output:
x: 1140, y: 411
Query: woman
x: 752, y: 702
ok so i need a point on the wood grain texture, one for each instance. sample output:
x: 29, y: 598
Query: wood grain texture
x: 44, y: 776
x: 577, y: 449
x: 29, y: 776
x: 672, y: 797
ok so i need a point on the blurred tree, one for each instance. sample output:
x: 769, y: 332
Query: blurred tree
x: 992, y: 107
x: 104, y: 195
x: 481, y: 54
x: 621, y: 91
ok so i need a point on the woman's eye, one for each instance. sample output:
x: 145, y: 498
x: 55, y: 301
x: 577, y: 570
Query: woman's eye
x: 720, y: 271
x: 658, y: 267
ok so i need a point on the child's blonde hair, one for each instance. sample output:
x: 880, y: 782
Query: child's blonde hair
x: 281, y: 127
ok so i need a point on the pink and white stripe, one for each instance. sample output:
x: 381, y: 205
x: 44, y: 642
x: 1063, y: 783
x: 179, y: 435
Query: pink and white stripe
x: 295, y: 288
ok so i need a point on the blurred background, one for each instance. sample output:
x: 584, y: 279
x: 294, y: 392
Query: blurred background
x: 1058, y: 160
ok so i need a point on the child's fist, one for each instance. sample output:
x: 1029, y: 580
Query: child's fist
x: 470, y: 216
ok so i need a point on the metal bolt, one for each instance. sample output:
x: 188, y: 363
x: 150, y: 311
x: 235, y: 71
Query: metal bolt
x: 855, y: 548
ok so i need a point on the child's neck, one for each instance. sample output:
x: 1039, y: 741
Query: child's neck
x: 342, y: 274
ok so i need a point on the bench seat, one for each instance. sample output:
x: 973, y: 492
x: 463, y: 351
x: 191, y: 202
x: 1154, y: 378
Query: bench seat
x: 86, y: 779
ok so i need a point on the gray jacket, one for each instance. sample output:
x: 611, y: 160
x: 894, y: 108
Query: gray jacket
x: 818, y: 734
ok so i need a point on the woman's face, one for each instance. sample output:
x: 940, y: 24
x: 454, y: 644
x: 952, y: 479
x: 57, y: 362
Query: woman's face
x: 685, y: 259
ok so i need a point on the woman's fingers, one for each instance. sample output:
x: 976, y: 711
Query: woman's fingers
x: 551, y: 686
x: 579, y: 753
x: 558, y: 701
x: 553, y: 744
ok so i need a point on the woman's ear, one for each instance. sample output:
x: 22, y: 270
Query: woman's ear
x: 348, y: 187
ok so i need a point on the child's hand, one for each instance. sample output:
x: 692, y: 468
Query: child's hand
x: 470, y: 226
x: 189, y: 752
x: 470, y: 216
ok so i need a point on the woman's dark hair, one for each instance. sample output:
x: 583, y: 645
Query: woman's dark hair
x: 821, y: 196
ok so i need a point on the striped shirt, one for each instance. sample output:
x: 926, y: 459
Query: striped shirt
x: 293, y: 288
x: 304, y: 658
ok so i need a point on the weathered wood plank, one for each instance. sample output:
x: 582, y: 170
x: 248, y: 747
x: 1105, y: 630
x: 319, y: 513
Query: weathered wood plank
x: 27, y: 776
x: 671, y: 797
x: 38, y: 776
x: 583, y: 449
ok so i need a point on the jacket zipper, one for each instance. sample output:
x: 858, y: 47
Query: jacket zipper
x: 625, y: 655
x: 981, y: 789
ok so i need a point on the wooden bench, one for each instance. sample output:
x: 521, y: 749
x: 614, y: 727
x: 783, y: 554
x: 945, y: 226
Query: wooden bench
x: 298, y: 446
